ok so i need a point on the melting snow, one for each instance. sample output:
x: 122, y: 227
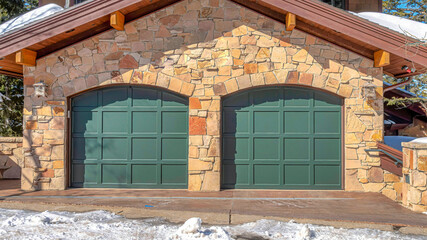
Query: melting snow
x: 420, y: 140
x: 414, y: 29
x: 29, y: 17
x: 19, y: 224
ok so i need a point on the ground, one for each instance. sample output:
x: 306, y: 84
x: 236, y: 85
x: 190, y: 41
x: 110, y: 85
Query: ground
x: 20, y: 224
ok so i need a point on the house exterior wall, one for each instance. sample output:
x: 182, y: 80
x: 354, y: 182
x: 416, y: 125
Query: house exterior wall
x: 203, y: 49
x: 11, y: 156
x: 61, y: 3
x: 414, y: 182
x: 364, y: 6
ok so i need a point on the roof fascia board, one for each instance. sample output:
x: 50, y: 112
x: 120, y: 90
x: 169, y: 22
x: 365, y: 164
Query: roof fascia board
x: 354, y: 26
x: 57, y: 23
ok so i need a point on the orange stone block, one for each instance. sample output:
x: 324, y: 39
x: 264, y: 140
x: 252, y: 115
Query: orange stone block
x: 58, y: 164
x: 197, y: 126
x: 250, y: 68
x: 31, y: 125
x: 50, y: 173
x: 195, y: 103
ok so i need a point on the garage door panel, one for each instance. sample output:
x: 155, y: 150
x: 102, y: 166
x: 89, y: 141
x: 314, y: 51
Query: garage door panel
x: 85, y: 148
x: 266, y: 174
x: 175, y: 174
x: 174, y: 148
x: 144, y: 122
x: 144, y: 97
x: 327, y: 149
x: 144, y: 174
x: 327, y: 175
x: 288, y: 143
x: 235, y: 121
x: 89, y: 99
x: 114, y: 173
x: 128, y: 137
x: 296, y: 149
x: 115, y: 122
x: 85, y: 122
x: 115, y: 97
x: 266, y: 148
x: 144, y: 149
x: 174, y: 122
x: 297, y: 174
x: 296, y: 122
x: 327, y: 122
x: 266, y: 122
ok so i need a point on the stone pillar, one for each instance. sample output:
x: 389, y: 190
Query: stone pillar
x: 204, y: 144
x: 414, y: 190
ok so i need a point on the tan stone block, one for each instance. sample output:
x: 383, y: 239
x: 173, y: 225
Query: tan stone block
x: 53, y: 134
x: 351, y: 164
x: 250, y: 68
x: 57, y: 123
x: 149, y: 78
x: 193, y: 152
x: 345, y: 90
x: 240, y: 31
x: 224, y: 71
x: 270, y: 78
x: 214, y: 148
x: 194, y: 182
x: 44, y: 150
x: 57, y: 184
x: 300, y: 56
x: 351, y: 181
x: 204, y: 64
x: 58, y: 111
x: 278, y: 54
x: 44, y: 111
x: 213, y: 124
x: 422, y: 162
x: 231, y: 85
x: 281, y: 75
x: 389, y: 177
x: 373, y: 187
x: 390, y: 193
x: 31, y: 125
x: 263, y: 53
x: 293, y: 77
x: 419, y: 179
x: 351, y: 154
x: 58, y: 164
x: 175, y: 85
x: 353, y: 123
x: 306, y: 79
x: 27, y: 179
x: 235, y: 53
x: 424, y: 198
x: 248, y: 40
x: 333, y: 83
x: 363, y: 180
x: 57, y: 152
x: 187, y: 88
x: 414, y: 195
x: 265, y: 42
x: 219, y: 89
x: 196, y: 140
x: 244, y: 81
x: 198, y: 165
x: 257, y: 79
x: 348, y: 74
x: 211, y: 182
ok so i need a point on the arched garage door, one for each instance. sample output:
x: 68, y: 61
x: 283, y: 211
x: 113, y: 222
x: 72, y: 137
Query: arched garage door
x: 129, y: 137
x: 282, y: 138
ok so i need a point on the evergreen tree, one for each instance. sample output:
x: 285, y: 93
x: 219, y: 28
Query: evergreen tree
x: 11, y: 88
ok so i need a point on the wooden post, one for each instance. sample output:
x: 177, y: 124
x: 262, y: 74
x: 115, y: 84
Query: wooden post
x: 117, y: 21
x: 291, y: 21
x: 381, y: 58
x: 26, y: 57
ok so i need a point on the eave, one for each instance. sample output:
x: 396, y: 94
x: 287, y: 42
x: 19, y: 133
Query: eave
x: 317, y: 18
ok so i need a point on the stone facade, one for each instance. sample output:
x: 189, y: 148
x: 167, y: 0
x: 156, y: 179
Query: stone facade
x: 11, y: 156
x: 203, y: 49
x: 414, y: 182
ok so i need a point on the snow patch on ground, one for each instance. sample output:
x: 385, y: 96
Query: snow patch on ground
x: 414, y: 29
x: 30, y: 17
x: 19, y: 224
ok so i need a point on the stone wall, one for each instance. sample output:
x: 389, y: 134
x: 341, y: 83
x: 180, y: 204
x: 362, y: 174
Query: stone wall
x: 11, y: 156
x: 203, y: 49
x: 414, y: 191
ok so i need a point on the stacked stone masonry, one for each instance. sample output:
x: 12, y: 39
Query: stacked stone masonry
x: 414, y: 182
x: 203, y: 49
x: 11, y: 157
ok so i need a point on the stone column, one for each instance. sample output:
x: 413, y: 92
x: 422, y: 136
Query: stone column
x: 204, y: 144
x: 414, y: 190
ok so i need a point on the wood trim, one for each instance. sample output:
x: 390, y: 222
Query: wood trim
x: 291, y: 21
x: 381, y: 58
x: 388, y: 163
x: 117, y: 21
x: 26, y: 57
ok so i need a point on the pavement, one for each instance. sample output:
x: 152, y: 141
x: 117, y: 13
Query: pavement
x: 333, y: 208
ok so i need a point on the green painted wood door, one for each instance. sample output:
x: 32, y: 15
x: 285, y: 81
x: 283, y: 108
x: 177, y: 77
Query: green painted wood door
x: 282, y: 138
x: 129, y: 137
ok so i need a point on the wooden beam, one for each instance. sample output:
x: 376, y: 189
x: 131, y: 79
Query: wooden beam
x: 26, y: 57
x: 117, y: 21
x: 291, y: 21
x: 381, y: 58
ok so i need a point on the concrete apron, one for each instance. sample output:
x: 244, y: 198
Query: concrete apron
x: 332, y: 208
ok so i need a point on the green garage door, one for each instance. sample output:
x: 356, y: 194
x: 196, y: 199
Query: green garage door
x: 282, y: 138
x: 129, y: 137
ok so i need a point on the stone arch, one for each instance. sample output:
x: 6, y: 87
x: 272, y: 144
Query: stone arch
x: 283, y: 77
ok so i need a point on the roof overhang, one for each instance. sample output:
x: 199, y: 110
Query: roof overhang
x: 315, y: 17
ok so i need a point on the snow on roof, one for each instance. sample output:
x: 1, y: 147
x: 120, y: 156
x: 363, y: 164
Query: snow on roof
x: 410, y: 28
x: 420, y: 140
x: 29, y: 17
